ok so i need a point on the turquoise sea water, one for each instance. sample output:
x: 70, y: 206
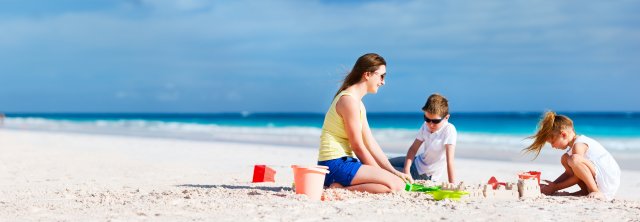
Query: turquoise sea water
x: 596, y: 124
x: 618, y: 131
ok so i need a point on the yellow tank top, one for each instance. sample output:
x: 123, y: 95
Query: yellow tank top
x: 334, y: 142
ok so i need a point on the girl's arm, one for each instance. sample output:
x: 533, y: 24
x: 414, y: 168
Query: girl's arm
x: 450, y: 149
x: 578, y: 149
x: 348, y: 108
x: 564, y: 176
x: 411, y: 154
x: 562, y: 182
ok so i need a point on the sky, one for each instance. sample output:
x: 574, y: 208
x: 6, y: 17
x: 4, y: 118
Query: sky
x: 291, y: 56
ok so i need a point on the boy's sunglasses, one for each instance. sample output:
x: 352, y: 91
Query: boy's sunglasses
x: 434, y: 121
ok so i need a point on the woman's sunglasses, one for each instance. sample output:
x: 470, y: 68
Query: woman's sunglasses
x: 381, y: 75
x: 434, y: 121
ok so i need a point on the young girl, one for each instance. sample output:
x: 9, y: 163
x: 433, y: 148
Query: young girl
x: 586, y: 163
x: 346, y: 132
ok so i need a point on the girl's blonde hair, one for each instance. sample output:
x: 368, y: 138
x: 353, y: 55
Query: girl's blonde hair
x: 548, y: 128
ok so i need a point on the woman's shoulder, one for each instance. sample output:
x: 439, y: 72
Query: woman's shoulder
x: 347, y: 99
x: 347, y: 103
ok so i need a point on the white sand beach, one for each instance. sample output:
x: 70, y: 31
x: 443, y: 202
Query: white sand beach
x: 55, y: 176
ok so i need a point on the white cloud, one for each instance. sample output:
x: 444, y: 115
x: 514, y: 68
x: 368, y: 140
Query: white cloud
x: 215, y: 45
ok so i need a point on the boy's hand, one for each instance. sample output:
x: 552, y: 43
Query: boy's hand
x: 548, y: 188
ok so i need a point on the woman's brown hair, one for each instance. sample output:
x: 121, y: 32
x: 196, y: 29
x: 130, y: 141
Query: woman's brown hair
x: 369, y: 62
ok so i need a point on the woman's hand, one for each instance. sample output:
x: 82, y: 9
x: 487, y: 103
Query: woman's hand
x: 548, y: 188
x: 407, y: 171
x: 406, y: 177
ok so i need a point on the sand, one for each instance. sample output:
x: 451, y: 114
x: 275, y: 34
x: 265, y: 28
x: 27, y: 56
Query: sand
x: 56, y: 176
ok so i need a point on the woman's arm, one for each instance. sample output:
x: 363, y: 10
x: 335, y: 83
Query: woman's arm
x: 348, y: 108
x: 451, y: 169
x: 374, y: 147
x: 378, y: 154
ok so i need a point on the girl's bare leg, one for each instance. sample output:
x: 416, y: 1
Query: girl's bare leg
x: 585, y: 171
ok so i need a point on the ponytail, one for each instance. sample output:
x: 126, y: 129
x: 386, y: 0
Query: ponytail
x: 549, y: 127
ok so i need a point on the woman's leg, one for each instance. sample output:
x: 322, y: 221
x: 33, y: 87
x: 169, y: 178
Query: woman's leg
x: 375, y: 180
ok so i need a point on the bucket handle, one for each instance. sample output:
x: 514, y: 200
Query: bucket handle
x: 319, y: 169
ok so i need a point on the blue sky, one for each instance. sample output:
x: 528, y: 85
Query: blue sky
x: 290, y: 56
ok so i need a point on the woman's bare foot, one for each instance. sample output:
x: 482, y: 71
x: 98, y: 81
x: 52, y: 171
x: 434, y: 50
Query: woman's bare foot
x: 596, y: 195
x: 331, y: 194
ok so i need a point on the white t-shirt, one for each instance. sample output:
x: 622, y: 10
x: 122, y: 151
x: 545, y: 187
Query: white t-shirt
x: 607, y: 169
x: 432, y: 161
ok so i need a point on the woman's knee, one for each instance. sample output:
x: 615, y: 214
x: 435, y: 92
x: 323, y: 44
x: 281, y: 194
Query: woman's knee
x: 393, y: 182
x: 376, y: 175
x: 397, y: 185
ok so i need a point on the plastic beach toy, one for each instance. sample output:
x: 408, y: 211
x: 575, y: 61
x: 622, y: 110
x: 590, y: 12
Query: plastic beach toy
x: 494, y: 182
x: 529, y: 175
x: 435, y: 191
x: 416, y: 187
x: 262, y: 173
x: 309, y: 180
x: 447, y: 194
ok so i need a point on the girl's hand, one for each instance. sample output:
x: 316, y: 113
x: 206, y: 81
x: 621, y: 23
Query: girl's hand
x: 548, y: 188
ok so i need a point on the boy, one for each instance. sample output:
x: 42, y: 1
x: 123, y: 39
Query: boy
x: 439, y: 139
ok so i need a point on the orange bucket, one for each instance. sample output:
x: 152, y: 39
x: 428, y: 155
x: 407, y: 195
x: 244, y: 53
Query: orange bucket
x: 309, y: 180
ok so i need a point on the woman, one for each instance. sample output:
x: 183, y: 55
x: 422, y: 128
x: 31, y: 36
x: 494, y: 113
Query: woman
x: 346, y: 132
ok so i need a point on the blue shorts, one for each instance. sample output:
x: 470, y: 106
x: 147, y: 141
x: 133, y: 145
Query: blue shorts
x: 341, y: 170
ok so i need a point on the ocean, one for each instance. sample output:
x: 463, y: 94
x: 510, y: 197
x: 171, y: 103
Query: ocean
x: 618, y: 132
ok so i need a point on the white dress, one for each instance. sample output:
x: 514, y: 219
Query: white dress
x: 607, y: 169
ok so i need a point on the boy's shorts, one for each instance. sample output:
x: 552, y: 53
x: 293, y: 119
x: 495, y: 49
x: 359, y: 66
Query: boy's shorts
x: 398, y: 163
x: 341, y: 170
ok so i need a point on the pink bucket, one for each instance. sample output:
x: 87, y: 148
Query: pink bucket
x: 309, y: 180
